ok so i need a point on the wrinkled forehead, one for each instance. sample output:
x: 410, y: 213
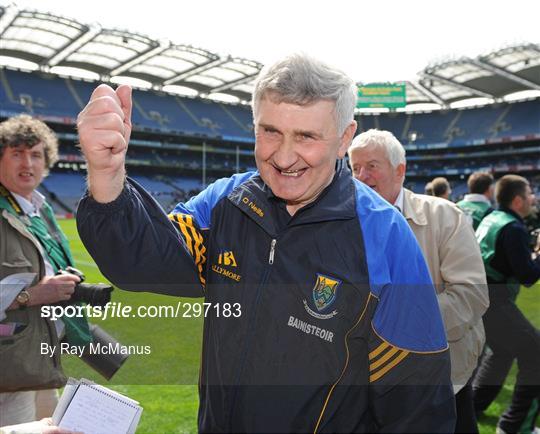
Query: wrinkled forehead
x: 369, y: 152
x: 299, y: 100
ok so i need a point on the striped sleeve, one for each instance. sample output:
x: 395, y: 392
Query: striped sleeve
x: 194, y: 239
x: 383, y: 359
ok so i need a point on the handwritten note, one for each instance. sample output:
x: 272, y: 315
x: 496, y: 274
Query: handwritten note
x: 96, y: 410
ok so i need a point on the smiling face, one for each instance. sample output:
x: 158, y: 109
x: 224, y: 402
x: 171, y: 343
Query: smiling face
x: 371, y: 165
x: 296, y: 148
x: 22, y: 169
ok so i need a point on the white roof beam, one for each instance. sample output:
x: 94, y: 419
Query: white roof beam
x: 74, y: 45
x: 231, y: 84
x: 195, y: 71
x: 11, y: 13
x: 429, y: 93
x: 140, y: 59
x: 506, y: 74
x: 534, y: 47
x: 458, y: 85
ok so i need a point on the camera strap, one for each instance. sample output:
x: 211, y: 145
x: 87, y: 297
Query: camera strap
x: 54, y: 234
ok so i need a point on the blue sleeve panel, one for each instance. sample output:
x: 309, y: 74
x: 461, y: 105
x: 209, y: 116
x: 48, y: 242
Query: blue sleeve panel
x: 200, y: 206
x: 407, y: 315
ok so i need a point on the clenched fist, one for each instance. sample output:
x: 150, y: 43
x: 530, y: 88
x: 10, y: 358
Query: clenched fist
x: 104, y: 128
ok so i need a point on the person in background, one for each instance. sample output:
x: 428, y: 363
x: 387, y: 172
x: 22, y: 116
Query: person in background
x: 441, y: 188
x: 428, y: 189
x: 31, y: 242
x: 509, y: 263
x: 448, y: 243
x: 477, y: 204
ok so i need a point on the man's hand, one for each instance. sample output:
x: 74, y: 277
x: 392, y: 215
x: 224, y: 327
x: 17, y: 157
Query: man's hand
x: 52, y: 289
x: 536, y: 251
x: 104, y: 128
x: 49, y: 428
x: 43, y: 426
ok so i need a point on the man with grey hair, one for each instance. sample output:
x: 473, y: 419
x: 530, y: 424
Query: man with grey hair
x: 447, y: 240
x: 323, y: 332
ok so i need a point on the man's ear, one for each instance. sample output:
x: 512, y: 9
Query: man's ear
x: 517, y: 203
x: 401, y: 169
x: 346, y: 139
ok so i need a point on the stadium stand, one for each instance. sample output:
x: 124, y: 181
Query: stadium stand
x: 67, y: 186
x: 179, y: 144
x: 453, y: 143
x: 476, y: 124
x: 40, y: 93
x: 520, y: 119
x: 398, y: 123
x: 432, y: 127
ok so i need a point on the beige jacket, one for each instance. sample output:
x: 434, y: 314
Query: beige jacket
x: 452, y: 254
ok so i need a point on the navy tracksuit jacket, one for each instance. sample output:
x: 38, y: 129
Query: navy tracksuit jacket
x: 339, y: 331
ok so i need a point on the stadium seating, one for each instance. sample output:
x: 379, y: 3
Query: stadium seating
x: 430, y: 127
x: 49, y: 95
x: 214, y: 117
x: 68, y: 186
x: 42, y: 94
x: 161, y: 112
x: 367, y: 122
x: 396, y: 122
x: 521, y: 119
x: 477, y: 124
x: 169, y: 130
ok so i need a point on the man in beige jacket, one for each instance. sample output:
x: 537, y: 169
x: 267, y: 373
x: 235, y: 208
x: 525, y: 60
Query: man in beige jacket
x: 451, y: 251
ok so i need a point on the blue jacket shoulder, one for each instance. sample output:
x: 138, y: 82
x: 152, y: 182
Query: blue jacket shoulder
x: 407, y: 315
x: 201, y: 205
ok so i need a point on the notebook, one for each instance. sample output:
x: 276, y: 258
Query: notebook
x: 94, y: 409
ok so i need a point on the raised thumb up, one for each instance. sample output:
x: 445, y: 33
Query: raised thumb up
x: 104, y: 128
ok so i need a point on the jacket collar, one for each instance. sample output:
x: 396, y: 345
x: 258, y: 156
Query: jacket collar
x: 511, y: 212
x: 475, y: 197
x: 30, y: 207
x: 336, y: 202
x: 412, y: 208
x: 20, y: 227
x: 399, y: 201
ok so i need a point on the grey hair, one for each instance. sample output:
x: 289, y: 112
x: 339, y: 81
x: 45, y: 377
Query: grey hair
x: 300, y: 79
x: 382, y: 139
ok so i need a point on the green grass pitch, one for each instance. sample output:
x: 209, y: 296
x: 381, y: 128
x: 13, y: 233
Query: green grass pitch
x: 165, y: 382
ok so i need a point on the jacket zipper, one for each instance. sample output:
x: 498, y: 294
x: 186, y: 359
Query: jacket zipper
x: 272, y: 251
x: 250, y: 335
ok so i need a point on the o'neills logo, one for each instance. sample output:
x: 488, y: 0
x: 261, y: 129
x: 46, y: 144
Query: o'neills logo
x: 226, y: 258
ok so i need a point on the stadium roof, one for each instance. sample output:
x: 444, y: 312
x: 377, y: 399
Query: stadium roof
x: 51, y: 41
